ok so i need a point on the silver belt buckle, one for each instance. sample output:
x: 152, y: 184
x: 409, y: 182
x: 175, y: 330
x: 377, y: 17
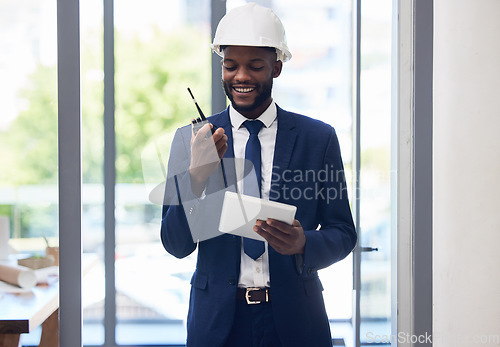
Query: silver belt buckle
x: 247, y: 296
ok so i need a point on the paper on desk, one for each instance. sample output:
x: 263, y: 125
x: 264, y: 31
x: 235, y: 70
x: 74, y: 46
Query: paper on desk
x: 47, y: 275
x: 11, y: 289
x: 18, y: 275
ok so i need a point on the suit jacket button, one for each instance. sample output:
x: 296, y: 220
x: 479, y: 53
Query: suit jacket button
x: 232, y: 281
x: 311, y: 270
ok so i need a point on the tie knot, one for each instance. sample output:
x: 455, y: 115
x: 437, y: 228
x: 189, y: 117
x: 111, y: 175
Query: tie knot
x: 253, y: 126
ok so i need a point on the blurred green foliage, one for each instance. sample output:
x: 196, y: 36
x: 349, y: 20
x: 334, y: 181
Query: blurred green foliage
x: 151, y: 95
x: 151, y: 77
x: 29, y: 145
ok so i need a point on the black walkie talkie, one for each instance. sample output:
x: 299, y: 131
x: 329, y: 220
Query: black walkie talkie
x: 199, y: 122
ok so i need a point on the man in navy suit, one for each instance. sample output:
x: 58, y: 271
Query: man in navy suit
x: 246, y: 293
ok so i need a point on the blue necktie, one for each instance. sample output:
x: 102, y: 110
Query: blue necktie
x: 253, y: 248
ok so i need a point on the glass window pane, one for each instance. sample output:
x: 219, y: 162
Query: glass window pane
x: 162, y: 47
x: 375, y: 207
x: 28, y: 132
x: 91, y: 57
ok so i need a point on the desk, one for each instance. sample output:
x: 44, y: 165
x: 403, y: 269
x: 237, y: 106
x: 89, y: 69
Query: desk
x: 21, y: 313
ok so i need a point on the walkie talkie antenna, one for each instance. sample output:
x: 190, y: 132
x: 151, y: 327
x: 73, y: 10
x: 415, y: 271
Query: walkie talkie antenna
x: 198, y: 107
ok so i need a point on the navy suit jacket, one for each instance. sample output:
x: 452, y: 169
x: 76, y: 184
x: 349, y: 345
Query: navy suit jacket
x: 307, y: 173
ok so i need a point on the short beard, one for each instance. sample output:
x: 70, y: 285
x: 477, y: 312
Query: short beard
x: 259, y: 100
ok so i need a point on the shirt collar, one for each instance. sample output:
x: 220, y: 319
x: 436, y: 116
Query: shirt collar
x: 267, y: 117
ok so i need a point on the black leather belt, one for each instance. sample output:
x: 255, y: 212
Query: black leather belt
x: 253, y: 295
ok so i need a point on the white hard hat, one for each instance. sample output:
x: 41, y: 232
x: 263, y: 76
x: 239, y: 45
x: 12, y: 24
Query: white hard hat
x: 251, y: 25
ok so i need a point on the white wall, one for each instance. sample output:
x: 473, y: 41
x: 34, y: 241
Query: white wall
x: 466, y: 230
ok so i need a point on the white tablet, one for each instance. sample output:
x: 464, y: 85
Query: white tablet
x: 240, y: 213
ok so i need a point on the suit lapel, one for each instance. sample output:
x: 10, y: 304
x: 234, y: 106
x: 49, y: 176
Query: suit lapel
x: 283, y: 150
x: 285, y: 141
x: 222, y: 120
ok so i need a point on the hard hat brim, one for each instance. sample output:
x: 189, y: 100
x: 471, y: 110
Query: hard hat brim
x: 283, y: 54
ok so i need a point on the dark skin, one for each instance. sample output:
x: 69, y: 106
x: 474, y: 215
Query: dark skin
x: 206, y: 154
x: 247, y: 75
x: 286, y: 239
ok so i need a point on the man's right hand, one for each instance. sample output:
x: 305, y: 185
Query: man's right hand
x: 206, y: 153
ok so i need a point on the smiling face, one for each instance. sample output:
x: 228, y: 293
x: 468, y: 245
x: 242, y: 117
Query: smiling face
x: 247, y: 77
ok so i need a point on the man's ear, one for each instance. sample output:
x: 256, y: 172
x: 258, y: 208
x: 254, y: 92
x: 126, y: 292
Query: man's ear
x: 277, y: 66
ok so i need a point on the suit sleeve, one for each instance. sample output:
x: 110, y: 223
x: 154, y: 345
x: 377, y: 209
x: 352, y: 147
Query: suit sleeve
x: 186, y: 218
x: 175, y: 232
x: 336, y: 237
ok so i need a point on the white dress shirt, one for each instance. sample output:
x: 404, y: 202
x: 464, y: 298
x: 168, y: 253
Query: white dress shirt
x: 255, y: 273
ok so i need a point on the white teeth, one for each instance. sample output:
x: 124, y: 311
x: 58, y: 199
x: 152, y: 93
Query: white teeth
x: 244, y: 90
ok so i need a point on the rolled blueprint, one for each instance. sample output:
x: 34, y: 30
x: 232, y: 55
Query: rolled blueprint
x: 17, y: 275
x: 4, y: 237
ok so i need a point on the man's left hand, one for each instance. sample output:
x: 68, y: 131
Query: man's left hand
x: 284, y: 238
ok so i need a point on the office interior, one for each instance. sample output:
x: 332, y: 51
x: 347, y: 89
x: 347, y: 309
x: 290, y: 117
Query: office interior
x: 92, y: 92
